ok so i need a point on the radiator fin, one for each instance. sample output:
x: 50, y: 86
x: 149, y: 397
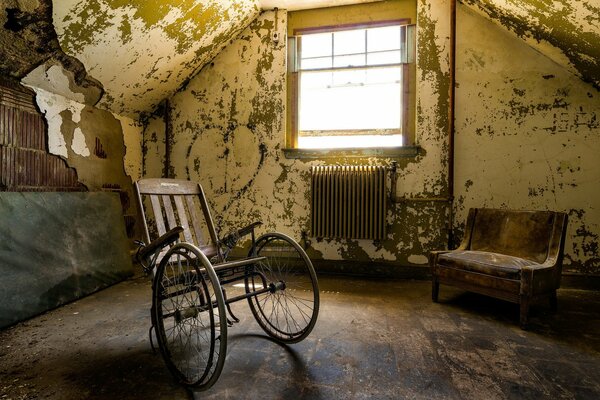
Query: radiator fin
x: 348, y: 202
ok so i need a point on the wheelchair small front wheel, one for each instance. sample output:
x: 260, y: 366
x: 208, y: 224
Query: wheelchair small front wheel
x: 288, y: 311
x: 188, y: 311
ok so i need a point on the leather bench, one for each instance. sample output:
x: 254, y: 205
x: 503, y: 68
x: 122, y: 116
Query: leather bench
x: 511, y: 255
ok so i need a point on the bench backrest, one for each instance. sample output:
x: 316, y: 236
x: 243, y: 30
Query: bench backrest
x: 533, y: 235
x: 167, y: 203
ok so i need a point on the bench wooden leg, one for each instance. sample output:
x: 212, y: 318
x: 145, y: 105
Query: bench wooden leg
x: 435, y: 289
x: 524, y: 311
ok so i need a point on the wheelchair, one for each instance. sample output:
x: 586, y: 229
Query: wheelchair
x: 190, y: 265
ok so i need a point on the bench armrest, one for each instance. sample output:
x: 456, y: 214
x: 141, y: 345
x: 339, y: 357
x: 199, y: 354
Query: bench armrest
x: 433, y: 256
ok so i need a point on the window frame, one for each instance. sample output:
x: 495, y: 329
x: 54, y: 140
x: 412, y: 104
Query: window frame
x: 408, y: 91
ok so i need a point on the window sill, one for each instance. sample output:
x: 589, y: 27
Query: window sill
x: 387, y: 152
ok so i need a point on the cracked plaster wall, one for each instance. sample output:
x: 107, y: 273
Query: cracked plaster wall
x: 527, y: 135
x: 229, y: 128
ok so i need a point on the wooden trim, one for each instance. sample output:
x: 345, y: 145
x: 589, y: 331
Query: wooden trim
x: 347, y: 27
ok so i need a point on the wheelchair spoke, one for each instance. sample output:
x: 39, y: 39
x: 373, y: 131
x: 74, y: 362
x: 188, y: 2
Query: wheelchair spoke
x: 189, y: 317
x: 288, y: 312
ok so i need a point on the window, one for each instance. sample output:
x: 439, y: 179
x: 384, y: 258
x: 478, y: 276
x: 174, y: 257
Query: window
x: 352, y: 86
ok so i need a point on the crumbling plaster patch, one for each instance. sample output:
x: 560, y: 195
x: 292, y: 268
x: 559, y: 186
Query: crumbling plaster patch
x: 154, y: 47
x: 153, y: 147
x: 91, y: 140
x: 52, y: 77
x: 79, y: 146
x: 132, y: 137
x: 52, y: 106
x: 528, y: 135
x: 228, y: 132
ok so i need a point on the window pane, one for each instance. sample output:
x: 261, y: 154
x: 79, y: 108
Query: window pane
x: 384, y: 75
x: 316, y: 80
x: 349, y: 107
x: 351, y: 77
x: 384, y: 38
x: 349, y: 42
x: 316, y: 63
x: 316, y: 45
x: 387, y: 57
x: 349, y: 61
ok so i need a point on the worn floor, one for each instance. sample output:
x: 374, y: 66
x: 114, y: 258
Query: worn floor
x: 373, y: 340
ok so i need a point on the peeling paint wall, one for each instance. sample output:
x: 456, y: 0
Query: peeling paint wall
x: 528, y: 135
x: 567, y: 31
x: 143, y: 51
x: 229, y: 130
x: 132, y: 138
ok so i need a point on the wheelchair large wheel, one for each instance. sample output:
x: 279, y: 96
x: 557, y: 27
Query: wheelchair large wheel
x: 288, y: 312
x: 189, y: 316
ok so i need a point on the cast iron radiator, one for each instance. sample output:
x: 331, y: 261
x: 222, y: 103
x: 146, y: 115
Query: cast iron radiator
x: 348, y: 202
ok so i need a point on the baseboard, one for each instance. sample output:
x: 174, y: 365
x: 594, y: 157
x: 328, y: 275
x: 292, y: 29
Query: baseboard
x: 390, y: 270
x: 372, y: 269
x: 572, y: 280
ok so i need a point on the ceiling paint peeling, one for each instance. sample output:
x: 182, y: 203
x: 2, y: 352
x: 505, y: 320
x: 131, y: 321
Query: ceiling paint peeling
x: 566, y: 31
x: 143, y: 51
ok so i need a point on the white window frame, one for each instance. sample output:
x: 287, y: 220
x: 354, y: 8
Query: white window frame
x: 295, y: 76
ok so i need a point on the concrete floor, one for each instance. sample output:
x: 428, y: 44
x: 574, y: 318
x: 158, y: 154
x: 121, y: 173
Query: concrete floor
x: 373, y: 340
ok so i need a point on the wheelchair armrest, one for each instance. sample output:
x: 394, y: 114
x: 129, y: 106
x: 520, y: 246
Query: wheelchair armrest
x: 158, y: 243
x: 231, y: 238
x: 247, y: 229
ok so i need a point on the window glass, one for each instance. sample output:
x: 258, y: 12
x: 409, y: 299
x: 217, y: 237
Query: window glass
x: 383, y: 38
x: 316, y: 45
x: 349, y: 42
x: 348, y: 106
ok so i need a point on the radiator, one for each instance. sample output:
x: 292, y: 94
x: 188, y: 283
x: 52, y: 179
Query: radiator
x: 348, y: 202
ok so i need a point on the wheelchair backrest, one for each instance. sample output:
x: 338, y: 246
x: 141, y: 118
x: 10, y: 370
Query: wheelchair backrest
x: 167, y: 203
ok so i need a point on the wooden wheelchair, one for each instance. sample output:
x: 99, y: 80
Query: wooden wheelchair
x: 190, y: 308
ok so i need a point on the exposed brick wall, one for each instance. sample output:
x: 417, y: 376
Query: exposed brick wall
x: 25, y: 164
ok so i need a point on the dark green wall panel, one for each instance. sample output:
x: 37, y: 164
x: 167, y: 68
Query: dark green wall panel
x: 57, y: 247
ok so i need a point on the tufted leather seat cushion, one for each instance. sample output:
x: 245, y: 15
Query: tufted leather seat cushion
x: 500, y: 265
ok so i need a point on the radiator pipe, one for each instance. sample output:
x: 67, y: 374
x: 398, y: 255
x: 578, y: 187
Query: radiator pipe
x: 168, y: 138
x: 451, y: 127
x: 423, y: 199
x: 394, y: 181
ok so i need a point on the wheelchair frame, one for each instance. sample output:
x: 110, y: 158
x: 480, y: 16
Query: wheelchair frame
x: 190, y: 309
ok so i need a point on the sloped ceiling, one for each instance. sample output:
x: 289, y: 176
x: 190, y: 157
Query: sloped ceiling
x: 567, y: 31
x: 143, y: 50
